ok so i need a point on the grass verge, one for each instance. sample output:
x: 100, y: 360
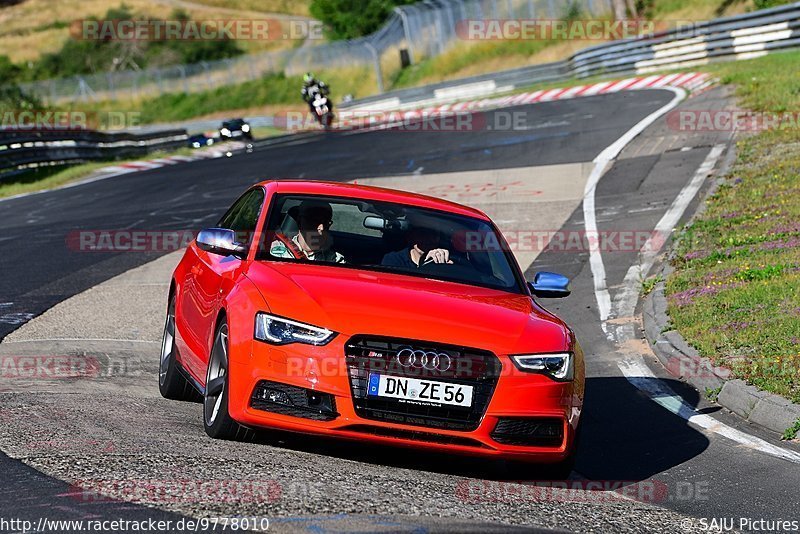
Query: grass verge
x: 735, y: 292
x: 54, y: 177
x: 269, y: 91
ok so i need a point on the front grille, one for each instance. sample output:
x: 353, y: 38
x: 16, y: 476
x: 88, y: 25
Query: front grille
x: 415, y: 435
x: 292, y: 400
x: 531, y: 432
x: 476, y: 368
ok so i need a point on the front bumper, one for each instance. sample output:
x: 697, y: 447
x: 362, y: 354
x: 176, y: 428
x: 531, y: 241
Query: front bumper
x: 517, y: 401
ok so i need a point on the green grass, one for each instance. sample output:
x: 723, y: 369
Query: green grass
x: 768, y: 83
x: 735, y: 292
x: 452, y: 62
x: 791, y: 432
x: 271, y: 90
x: 649, y: 284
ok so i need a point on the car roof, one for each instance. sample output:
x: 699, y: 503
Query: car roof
x: 368, y: 192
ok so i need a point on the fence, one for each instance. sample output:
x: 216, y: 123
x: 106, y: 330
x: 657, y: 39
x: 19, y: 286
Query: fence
x: 22, y: 150
x: 425, y: 29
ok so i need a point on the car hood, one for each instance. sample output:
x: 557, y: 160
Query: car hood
x: 352, y: 301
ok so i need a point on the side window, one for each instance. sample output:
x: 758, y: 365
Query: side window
x: 242, y: 218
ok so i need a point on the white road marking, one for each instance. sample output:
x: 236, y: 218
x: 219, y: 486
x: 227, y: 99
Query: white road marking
x: 601, y: 164
x: 635, y: 369
x: 625, y: 300
x: 640, y: 376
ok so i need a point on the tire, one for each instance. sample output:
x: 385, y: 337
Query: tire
x: 171, y: 383
x: 217, y: 421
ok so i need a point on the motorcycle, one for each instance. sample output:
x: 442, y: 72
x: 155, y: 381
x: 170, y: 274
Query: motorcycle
x: 323, y: 110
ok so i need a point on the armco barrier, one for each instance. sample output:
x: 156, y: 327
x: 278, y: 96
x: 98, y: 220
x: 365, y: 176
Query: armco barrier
x: 21, y: 150
x: 747, y: 35
x: 731, y: 38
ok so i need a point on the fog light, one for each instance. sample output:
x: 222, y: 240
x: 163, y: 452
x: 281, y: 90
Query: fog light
x: 278, y: 397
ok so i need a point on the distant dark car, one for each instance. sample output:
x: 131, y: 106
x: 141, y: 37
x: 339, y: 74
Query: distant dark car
x: 235, y: 129
x: 200, y: 140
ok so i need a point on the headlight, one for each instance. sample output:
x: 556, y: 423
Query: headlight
x: 558, y: 366
x: 245, y: 128
x: 280, y: 331
x: 226, y: 132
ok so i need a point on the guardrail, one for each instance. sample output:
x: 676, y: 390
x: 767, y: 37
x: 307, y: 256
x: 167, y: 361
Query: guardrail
x: 741, y: 36
x: 22, y: 150
x: 731, y: 38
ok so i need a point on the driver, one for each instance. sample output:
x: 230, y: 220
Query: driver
x: 422, y: 250
x: 313, y: 240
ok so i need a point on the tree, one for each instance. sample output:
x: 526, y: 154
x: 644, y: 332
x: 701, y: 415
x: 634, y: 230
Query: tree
x: 348, y: 19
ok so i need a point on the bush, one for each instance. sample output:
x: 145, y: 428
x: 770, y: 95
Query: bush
x: 9, y: 72
x: 348, y: 19
x: 13, y: 98
x: 764, y: 4
x: 78, y: 57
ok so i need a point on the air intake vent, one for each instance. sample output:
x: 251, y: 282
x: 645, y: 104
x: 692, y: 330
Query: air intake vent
x: 292, y: 400
x: 531, y: 432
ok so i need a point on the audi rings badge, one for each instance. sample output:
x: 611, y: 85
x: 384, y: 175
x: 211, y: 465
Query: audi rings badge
x: 423, y: 359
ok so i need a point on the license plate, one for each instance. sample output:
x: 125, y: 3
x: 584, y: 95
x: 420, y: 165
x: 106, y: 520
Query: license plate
x: 419, y: 391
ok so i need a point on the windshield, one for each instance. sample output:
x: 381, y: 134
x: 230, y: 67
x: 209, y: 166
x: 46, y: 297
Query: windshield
x: 353, y: 233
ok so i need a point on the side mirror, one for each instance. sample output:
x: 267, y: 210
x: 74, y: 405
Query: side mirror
x: 550, y: 285
x: 221, y: 241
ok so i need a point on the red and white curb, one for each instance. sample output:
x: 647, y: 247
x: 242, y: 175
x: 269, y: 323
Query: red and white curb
x: 692, y: 81
x: 145, y: 165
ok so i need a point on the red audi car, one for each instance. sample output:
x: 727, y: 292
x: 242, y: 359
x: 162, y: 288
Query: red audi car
x: 374, y: 315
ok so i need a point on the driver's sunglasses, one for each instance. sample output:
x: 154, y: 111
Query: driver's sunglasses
x: 310, y: 224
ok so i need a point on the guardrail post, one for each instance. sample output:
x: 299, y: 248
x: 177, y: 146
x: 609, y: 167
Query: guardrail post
x: 406, y: 32
x: 437, y: 21
x: 111, y: 88
x: 206, y: 74
x: 185, y: 83
x: 377, y: 59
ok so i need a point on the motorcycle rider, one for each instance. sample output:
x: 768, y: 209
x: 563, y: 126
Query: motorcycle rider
x: 311, y: 88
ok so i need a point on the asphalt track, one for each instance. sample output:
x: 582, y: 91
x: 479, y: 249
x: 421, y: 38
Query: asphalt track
x: 627, y: 437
